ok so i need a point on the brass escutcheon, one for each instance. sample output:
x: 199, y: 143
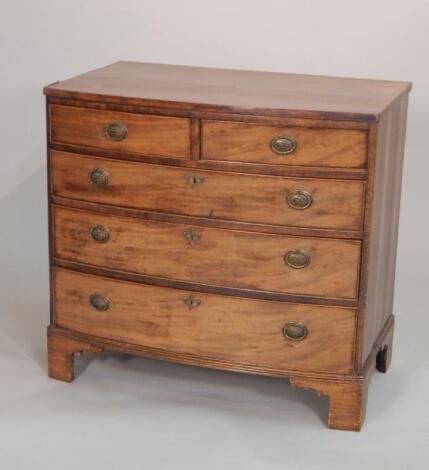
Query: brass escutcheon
x: 297, y: 259
x: 99, y: 233
x: 194, y: 180
x: 115, y: 131
x: 295, y: 331
x: 99, y: 178
x: 299, y: 199
x: 192, y: 302
x: 192, y: 237
x: 283, y: 145
x: 99, y: 302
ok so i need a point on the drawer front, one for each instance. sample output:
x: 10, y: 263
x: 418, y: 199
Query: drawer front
x: 230, y: 258
x: 122, y: 132
x: 227, y: 328
x: 217, y: 195
x: 296, y: 146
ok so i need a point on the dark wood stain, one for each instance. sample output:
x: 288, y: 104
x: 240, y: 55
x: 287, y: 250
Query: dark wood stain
x: 193, y: 121
x: 232, y: 91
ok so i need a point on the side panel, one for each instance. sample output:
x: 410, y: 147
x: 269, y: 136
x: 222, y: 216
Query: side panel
x: 381, y: 227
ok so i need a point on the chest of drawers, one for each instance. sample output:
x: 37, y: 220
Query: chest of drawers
x: 242, y: 221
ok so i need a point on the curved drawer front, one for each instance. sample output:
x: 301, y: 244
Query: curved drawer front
x: 226, y: 328
x: 300, y: 146
x: 230, y: 258
x: 121, y: 132
x: 273, y: 200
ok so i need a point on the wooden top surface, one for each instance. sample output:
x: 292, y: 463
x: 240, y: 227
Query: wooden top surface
x: 232, y: 91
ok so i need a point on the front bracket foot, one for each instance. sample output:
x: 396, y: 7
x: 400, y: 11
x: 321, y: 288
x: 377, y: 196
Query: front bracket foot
x: 61, y: 351
x: 347, y: 401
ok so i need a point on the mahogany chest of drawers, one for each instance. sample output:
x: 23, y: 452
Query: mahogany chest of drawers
x: 243, y: 221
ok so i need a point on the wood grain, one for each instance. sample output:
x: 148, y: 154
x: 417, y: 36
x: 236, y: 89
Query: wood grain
x: 219, y: 195
x: 233, y: 366
x: 348, y: 398
x: 232, y: 91
x: 381, y: 227
x: 221, y: 116
x: 217, y: 124
x: 347, y: 401
x: 61, y: 352
x: 219, y: 165
x: 221, y: 257
x: 146, y: 134
x: 237, y: 141
x: 228, y: 328
x: 200, y: 287
x: 206, y: 222
x: 347, y: 393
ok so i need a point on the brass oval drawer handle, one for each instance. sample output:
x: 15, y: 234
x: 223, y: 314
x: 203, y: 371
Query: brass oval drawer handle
x: 299, y: 199
x: 295, y: 331
x: 192, y: 302
x: 99, y: 178
x: 99, y: 233
x: 283, y: 144
x: 194, y: 180
x: 297, y: 259
x: 99, y: 302
x: 192, y: 237
x: 115, y: 131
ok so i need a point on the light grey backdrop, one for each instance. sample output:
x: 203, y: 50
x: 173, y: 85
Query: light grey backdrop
x: 129, y: 413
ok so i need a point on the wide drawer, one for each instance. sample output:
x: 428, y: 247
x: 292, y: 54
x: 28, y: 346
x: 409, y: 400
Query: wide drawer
x: 275, y: 200
x: 207, y: 325
x: 219, y: 257
x: 301, y: 146
x: 121, y: 132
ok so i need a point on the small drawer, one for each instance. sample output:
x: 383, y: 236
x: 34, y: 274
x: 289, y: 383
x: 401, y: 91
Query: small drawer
x: 294, y: 146
x: 311, y: 203
x: 226, y: 258
x: 276, y: 335
x: 122, y: 132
